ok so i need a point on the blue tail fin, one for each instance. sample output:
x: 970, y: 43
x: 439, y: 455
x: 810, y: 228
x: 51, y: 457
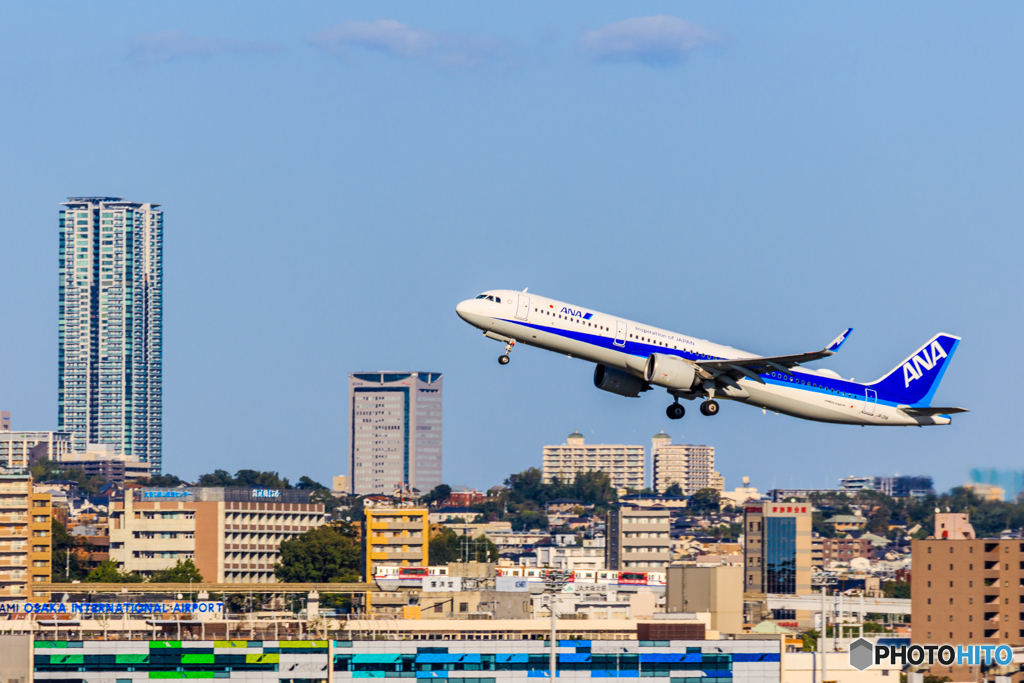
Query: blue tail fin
x: 914, y: 381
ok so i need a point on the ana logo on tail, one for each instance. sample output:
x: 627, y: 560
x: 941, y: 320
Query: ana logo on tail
x: 925, y: 360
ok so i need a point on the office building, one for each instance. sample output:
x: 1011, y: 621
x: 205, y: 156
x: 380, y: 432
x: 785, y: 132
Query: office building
x: 21, y: 450
x: 966, y: 590
x: 395, y: 434
x: 396, y: 536
x: 638, y: 538
x: 623, y: 464
x: 692, y: 467
x: 777, y: 552
x: 111, y: 325
x: 26, y: 518
x: 233, y: 535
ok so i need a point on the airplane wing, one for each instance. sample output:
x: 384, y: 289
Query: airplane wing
x: 752, y: 367
x: 929, y: 412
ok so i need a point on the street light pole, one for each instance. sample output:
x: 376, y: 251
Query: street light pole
x: 553, y: 582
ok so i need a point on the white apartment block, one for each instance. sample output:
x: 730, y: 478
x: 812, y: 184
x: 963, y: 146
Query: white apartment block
x: 110, y: 331
x: 624, y: 464
x: 395, y: 431
x: 19, y: 450
x: 690, y: 466
x: 588, y: 557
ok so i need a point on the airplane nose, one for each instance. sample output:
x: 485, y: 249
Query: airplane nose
x: 463, y: 309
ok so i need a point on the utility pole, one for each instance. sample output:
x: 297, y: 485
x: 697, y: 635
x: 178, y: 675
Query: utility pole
x: 553, y: 583
x: 823, y: 580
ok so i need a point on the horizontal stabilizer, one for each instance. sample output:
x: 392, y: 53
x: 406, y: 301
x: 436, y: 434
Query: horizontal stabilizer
x: 928, y: 412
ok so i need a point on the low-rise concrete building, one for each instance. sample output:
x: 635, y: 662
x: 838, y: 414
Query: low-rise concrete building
x: 232, y: 534
x: 638, y: 538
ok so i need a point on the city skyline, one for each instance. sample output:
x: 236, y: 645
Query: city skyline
x: 110, y: 329
x: 332, y: 201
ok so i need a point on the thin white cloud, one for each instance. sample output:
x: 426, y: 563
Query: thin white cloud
x: 409, y: 42
x: 659, y: 41
x: 166, y: 46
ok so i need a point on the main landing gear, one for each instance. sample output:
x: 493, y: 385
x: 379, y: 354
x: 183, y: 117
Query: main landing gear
x: 709, y: 407
x: 504, y: 359
x: 675, y: 411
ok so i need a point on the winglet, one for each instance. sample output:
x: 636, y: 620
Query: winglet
x: 839, y: 341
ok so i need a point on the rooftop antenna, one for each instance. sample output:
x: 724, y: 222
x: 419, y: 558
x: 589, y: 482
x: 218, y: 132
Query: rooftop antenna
x: 526, y: 290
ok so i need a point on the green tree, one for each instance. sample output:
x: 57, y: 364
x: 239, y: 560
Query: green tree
x: 674, y: 490
x: 440, y: 493
x: 181, y: 572
x: 245, y: 479
x: 705, y: 500
x: 896, y: 589
x: 318, y: 556
x: 107, y: 572
x: 65, y: 561
x: 168, y: 481
x: 448, y: 546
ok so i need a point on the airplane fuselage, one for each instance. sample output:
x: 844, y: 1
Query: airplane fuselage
x: 626, y: 345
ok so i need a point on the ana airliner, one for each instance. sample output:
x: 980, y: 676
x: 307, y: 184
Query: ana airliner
x: 633, y: 358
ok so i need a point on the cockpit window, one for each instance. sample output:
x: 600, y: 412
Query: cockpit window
x: 482, y: 296
x: 497, y: 299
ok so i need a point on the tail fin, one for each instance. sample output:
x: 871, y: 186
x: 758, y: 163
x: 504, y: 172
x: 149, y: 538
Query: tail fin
x: 915, y: 380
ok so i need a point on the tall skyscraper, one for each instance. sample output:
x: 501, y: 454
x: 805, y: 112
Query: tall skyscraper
x: 111, y: 323
x: 395, y: 435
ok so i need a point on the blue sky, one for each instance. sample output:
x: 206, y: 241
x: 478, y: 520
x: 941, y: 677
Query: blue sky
x: 337, y: 176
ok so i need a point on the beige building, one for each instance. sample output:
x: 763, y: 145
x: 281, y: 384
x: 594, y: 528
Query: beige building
x: 233, y: 535
x: 690, y: 466
x: 102, y: 459
x: 718, y: 590
x: 966, y: 591
x: 638, y: 538
x: 777, y: 548
x: 396, y: 537
x: 19, y: 450
x: 26, y: 519
x: 624, y: 464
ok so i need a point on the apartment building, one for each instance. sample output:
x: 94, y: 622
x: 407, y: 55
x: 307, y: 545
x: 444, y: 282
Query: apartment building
x: 21, y: 450
x: 624, y: 464
x: 690, y: 466
x: 638, y: 538
x: 396, y: 536
x: 26, y: 519
x: 846, y: 549
x: 966, y: 590
x: 233, y: 535
x: 110, y: 329
x: 102, y: 460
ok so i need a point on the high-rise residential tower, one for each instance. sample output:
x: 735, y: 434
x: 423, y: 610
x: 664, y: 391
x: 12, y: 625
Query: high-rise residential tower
x: 111, y: 324
x: 690, y: 466
x: 395, y: 435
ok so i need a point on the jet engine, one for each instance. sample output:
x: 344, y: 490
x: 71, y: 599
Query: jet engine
x: 671, y: 372
x: 618, y: 382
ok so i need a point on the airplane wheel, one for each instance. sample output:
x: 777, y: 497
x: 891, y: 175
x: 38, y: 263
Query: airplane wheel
x: 709, y: 408
x: 675, y: 411
x: 503, y: 360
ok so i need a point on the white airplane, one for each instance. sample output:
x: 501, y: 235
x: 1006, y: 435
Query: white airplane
x: 633, y: 357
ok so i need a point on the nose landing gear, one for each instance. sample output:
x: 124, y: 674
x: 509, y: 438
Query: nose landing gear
x: 504, y: 359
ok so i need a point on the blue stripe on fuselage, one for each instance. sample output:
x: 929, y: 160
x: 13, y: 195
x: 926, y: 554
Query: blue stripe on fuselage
x: 803, y: 381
